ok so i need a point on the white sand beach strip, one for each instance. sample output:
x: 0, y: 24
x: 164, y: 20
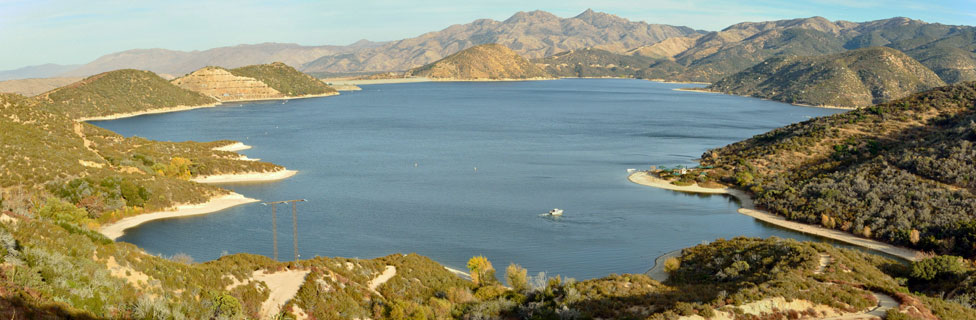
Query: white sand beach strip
x: 117, y: 229
x: 233, y: 147
x: 246, y: 177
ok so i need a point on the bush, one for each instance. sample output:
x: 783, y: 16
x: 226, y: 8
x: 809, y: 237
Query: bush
x: 488, y: 293
x: 60, y: 211
x: 672, y: 264
x: 940, y: 266
x: 517, y: 277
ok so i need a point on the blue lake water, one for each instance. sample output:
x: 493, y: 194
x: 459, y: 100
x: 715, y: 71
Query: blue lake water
x: 391, y: 169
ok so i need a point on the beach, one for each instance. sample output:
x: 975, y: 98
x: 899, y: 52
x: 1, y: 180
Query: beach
x: 826, y: 106
x: 350, y: 82
x: 117, y: 229
x: 246, y: 177
x: 145, y: 112
x: 233, y: 147
x: 748, y: 208
x: 356, y: 82
x: 185, y: 108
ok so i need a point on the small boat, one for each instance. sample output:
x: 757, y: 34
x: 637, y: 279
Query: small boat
x: 555, y: 212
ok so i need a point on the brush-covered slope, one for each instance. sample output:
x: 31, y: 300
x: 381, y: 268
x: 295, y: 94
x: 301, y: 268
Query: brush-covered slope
x: 739, y: 278
x: 902, y: 172
x: 107, y: 174
x: 484, y: 62
x: 594, y: 63
x: 118, y: 92
x: 257, y: 82
x: 854, y: 78
x: 285, y: 79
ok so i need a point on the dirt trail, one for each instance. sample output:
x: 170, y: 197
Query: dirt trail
x: 283, y: 285
x: 387, y: 274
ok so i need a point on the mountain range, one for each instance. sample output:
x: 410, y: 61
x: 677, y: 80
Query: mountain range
x: 681, y: 53
x: 533, y: 34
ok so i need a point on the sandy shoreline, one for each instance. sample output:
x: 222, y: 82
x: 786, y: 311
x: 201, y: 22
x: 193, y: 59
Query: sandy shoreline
x: 185, y: 108
x: 233, y: 147
x: 349, y: 82
x: 246, y: 177
x: 749, y: 209
x: 699, y: 90
x: 678, y: 82
x: 357, y: 82
x: 117, y: 229
x: 825, y: 106
x: 329, y: 94
x: 657, y: 271
x: 145, y: 112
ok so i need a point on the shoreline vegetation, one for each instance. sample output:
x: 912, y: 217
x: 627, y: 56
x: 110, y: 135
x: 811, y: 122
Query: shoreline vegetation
x: 117, y: 229
x: 749, y: 209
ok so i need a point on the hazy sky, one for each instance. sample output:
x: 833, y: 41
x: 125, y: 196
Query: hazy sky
x: 72, y: 32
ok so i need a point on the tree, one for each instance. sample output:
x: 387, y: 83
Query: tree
x: 482, y: 273
x: 517, y: 277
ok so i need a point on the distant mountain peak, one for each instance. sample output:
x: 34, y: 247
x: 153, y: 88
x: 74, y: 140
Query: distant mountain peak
x: 598, y: 18
x: 532, y: 16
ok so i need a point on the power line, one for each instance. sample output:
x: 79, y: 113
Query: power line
x: 294, y: 224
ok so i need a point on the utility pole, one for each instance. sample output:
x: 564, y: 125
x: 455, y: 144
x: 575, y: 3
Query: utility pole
x: 294, y: 224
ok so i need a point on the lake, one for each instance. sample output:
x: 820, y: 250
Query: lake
x: 451, y: 170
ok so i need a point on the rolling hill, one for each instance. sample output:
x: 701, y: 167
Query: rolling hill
x: 594, y: 63
x: 118, y: 92
x: 855, y: 78
x: 484, y: 62
x: 257, y: 82
x: 285, y: 79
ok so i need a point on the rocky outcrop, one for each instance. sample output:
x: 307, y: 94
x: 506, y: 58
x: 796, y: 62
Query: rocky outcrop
x: 224, y: 86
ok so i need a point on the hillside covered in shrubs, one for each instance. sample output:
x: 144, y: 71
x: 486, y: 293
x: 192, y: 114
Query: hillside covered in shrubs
x: 901, y: 172
x: 855, y: 78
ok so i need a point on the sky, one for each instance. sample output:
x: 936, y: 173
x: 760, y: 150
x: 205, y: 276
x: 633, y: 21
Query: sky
x: 75, y: 32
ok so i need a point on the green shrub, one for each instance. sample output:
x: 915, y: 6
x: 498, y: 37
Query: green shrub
x: 517, y: 277
x: 939, y: 266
